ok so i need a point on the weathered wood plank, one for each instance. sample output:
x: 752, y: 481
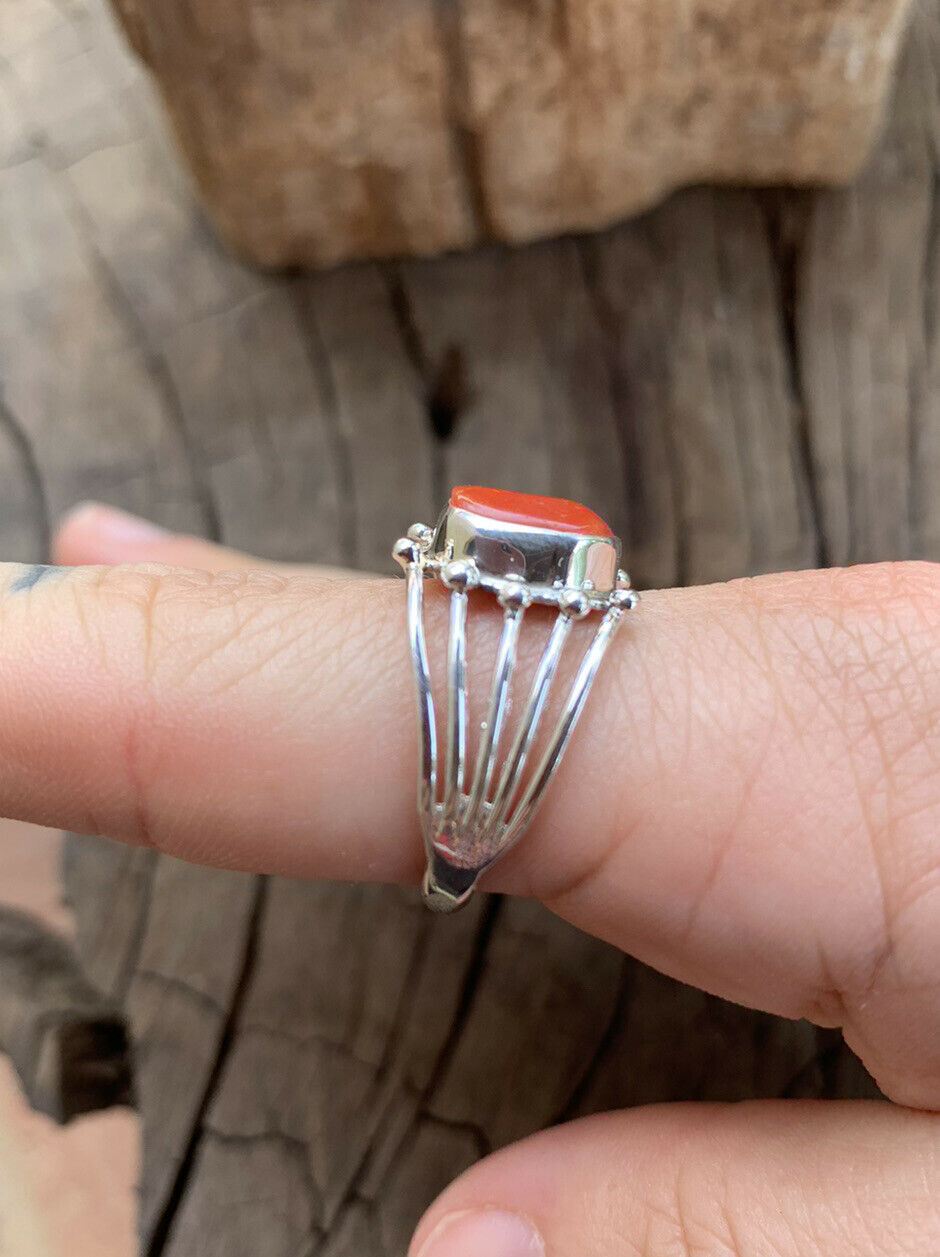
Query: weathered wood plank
x: 109, y: 894
x: 867, y: 336
x: 191, y: 970
x: 692, y: 304
x: 342, y: 130
x: 530, y: 409
x: 337, y: 1042
x: 377, y: 407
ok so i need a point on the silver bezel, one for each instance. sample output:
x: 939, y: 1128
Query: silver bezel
x: 500, y: 556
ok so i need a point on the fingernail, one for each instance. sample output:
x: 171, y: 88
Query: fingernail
x: 116, y: 525
x: 483, y: 1233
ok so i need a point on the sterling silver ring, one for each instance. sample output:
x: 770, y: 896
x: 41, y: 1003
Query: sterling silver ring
x: 522, y: 549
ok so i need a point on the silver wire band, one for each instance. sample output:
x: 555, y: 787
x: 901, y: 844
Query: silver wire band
x: 468, y: 828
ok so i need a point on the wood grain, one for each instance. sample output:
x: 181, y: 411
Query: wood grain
x: 742, y: 381
x: 347, y: 129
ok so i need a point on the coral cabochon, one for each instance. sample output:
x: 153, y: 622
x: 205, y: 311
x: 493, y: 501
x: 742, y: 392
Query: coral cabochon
x: 532, y: 509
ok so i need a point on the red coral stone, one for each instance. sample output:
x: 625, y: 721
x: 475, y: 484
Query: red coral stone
x: 531, y: 509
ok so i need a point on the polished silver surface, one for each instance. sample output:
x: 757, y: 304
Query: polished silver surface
x: 456, y: 706
x: 424, y: 703
x: 528, y: 727
x: 470, y: 826
x: 547, y: 560
x: 496, y: 712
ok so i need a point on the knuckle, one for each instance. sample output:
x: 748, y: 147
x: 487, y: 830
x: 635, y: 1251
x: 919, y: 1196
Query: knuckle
x: 211, y: 631
x: 918, y: 582
x: 182, y: 638
x: 879, y: 641
x: 896, y: 695
x: 912, y: 583
x: 861, y: 646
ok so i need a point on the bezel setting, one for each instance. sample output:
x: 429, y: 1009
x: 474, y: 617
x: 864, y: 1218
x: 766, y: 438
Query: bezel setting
x: 499, y: 555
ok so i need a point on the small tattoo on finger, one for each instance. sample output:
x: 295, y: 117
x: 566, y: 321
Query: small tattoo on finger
x: 31, y: 575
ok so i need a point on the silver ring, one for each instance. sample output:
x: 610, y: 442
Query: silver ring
x: 521, y: 549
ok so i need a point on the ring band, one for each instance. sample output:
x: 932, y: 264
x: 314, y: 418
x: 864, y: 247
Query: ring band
x: 522, y: 549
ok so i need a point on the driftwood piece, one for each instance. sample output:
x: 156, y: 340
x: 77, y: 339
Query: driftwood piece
x: 340, y: 129
x: 67, y: 1043
x: 740, y: 381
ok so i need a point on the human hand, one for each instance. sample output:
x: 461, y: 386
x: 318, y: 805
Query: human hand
x: 756, y: 812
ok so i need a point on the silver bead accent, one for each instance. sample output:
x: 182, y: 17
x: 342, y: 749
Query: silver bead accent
x: 514, y: 596
x: 405, y: 551
x: 460, y: 575
x: 574, y: 603
x: 624, y: 598
x: 422, y: 534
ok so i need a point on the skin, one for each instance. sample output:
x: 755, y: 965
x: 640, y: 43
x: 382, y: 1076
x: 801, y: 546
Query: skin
x: 755, y: 794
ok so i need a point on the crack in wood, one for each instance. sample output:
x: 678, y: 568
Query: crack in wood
x: 916, y: 478
x: 571, y: 1107
x: 473, y: 975
x: 472, y: 1130
x: 160, y: 1234
x: 489, y: 918
x: 786, y: 238
x: 302, y: 1042
x: 170, y: 982
x: 611, y: 335
x: 467, y: 141
x: 296, y: 1149
x: 318, y: 359
x: 404, y: 1006
x: 445, y: 386
x: 136, y: 940
x: 20, y: 439
x: 160, y: 374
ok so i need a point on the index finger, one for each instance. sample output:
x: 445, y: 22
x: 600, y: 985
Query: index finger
x: 750, y: 803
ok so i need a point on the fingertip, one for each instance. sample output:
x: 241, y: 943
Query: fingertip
x: 72, y: 530
x: 93, y: 532
x: 708, y: 1178
x: 471, y: 1232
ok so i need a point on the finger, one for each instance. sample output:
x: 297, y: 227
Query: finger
x: 788, y: 1179
x: 751, y: 803
x: 95, y: 533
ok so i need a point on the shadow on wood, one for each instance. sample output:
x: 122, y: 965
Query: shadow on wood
x: 67, y: 1043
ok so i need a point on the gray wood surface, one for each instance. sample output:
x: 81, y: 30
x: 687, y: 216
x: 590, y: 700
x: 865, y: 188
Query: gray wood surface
x: 740, y: 381
x: 67, y: 1042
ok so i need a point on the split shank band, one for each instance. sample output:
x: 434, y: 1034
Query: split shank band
x: 522, y: 549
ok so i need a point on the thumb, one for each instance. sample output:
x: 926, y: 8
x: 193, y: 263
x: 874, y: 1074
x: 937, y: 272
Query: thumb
x: 840, y: 1179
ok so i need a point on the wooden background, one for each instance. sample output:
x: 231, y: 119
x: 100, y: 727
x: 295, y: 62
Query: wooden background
x: 739, y: 381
